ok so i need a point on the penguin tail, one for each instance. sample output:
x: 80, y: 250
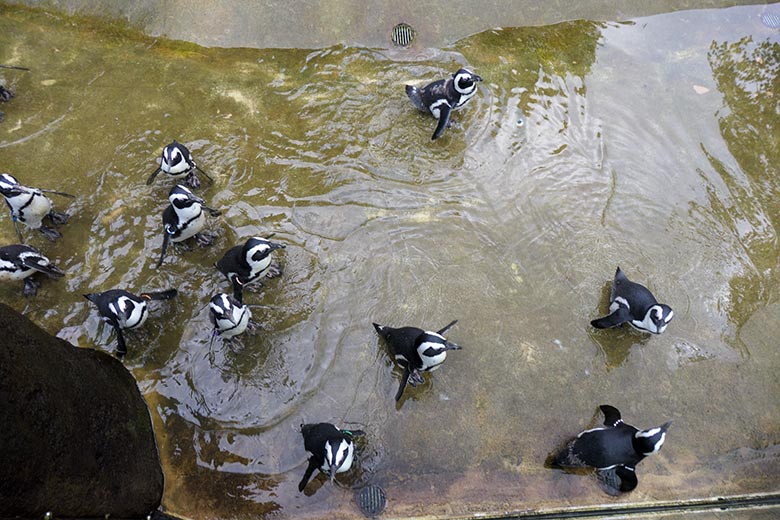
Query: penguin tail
x: 619, y: 274
x: 161, y: 295
x: 414, y: 95
x: 380, y: 329
x: 447, y: 327
x: 93, y: 297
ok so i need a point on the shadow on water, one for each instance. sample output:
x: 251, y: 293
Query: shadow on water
x: 647, y: 144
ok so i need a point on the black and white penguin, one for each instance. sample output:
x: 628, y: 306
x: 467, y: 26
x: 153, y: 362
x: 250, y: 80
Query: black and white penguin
x: 229, y: 316
x: 441, y: 97
x: 177, y: 162
x: 331, y: 449
x: 252, y: 261
x: 19, y: 262
x: 125, y: 310
x: 184, y: 218
x: 615, y: 449
x: 30, y: 206
x: 632, y: 303
x: 416, y: 350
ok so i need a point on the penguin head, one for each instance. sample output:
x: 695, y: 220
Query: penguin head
x: 648, y: 442
x: 465, y: 81
x: 257, y: 248
x: 660, y: 316
x: 432, y: 348
x: 173, y: 154
x: 180, y: 197
x: 9, y: 186
x: 338, y: 453
x: 221, y: 307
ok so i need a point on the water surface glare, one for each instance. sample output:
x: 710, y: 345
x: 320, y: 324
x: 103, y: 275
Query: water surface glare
x: 650, y: 144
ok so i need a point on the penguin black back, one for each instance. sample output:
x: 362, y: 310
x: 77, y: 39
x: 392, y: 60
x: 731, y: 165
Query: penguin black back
x: 331, y: 449
x: 634, y: 304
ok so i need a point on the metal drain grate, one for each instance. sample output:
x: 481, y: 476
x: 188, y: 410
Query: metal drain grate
x: 403, y: 34
x: 372, y: 500
x: 771, y: 20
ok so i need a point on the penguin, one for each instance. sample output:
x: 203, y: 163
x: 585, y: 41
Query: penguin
x: 246, y: 263
x: 634, y: 303
x: 30, y: 206
x: 331, y: 449
x: 441, y: 97
x: 177, y: 161
x: 229, y: 316
x: 416, y: 350
x: 5, y: 96
x: 614, y: 450
x: 19, y: 262
x: 125, y: 310
x: 184, y: 218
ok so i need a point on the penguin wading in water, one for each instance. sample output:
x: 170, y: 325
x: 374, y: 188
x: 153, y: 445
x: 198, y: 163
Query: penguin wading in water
x: 125, y: 310
x: 177, y: 162
x: 247, y: 263
x: 331, y: 449
x: 416, y: 350
x: 229, y: 316
x: 184, y: 218
x: 30, y: 206
x: 613, y: 450
x: 632, y: 303
x: 441, y: 97
x: 20, y: 262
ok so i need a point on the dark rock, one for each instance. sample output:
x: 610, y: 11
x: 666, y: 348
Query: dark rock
x: 76, y: 436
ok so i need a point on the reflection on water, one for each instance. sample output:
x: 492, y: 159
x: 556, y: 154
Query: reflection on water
x: 648, y: 144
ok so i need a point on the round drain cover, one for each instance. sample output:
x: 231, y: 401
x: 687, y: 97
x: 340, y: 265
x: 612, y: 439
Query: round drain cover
x: 403, y: 34
x: 372, y: 500
x: 771, y: 20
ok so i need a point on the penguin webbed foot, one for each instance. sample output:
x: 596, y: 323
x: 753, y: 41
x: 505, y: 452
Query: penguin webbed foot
x: 58, y: 218
x: 617, y: 480
x: 5, y: 94
x: 274, y: 270
x: 50, y: 233
x: 253, y: 328
x: 30, y: 287
x: 205, y: 239
x: 192, y: 180
x: 415, y: 378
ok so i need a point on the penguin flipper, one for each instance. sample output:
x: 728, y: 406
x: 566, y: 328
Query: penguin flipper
x: 18, y: 231
x: 121, y: 348
x: 447, y: 327
x: 611, y: 415
x: 444, y: 120
x: 414, y: 95
x: 309, y: 471
x: 620, y: 479
x: 160, y: 295
x: 620, y: 316
x: 42, y: 265
x: 402, y: 386
x: 164, y: 249
x: 204, y: 173
x: 150, y: 180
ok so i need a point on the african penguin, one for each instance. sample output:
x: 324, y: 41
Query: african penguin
x: 634, y: 303
x: 229, y: 316
x: 416, y: 350
x: 184, y: 218
x: 331, y: 449
x: 19, y: 262
x: 441, y: 97
x: 30, y: 206
x: 177, y: 162
x: 246, y: 263
x: 615, y: 449
x: 124, y: 310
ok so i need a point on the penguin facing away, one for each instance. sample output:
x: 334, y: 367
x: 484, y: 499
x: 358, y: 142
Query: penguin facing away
x: 247, y: 263
x: 416, y: 351
x: 20, y: 262
x: 30, y: 207
x: 331, y: 449
x: 176, y: 161
x: 124, y: 310
x: 184, y: 219
x: 633, y: 303
x: 613, y: 450
x: 441, y: 97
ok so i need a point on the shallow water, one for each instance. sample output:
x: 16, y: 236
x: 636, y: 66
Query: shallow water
x: 649, y: 144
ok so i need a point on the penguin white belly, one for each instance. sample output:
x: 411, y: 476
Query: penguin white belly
x: 348, y: 460
x: 137, y: 315
x: 33, y: 214
x: 241, y: 316
x: 15, y: 273
x: 193, y: 228
x: 260, y: 268
x: 178, y: 169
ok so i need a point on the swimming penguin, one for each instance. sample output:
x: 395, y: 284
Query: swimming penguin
x: 184, y: 218
x: 244, y: 264
x: 634, y: 303
x: 5, y: 94
x: 615, y: 449
x: 124, y: 310
x: 19, y: 262
x: 229, y: 316
x: 30, y: 206
x: 416, y: 350
x: 331, y: 449
x: 177, y: 161
x: 441, y: 97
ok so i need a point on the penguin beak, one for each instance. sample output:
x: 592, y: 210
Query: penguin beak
x: 275, y: 246
x: 332, y: 472
x: 451, y: 346
x: 477, y: 78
